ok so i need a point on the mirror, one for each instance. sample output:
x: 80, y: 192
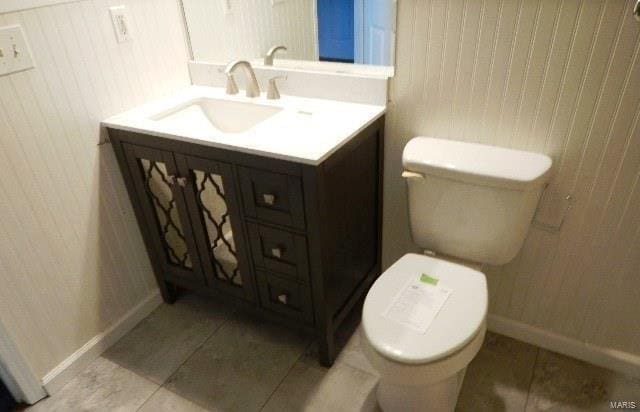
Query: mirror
x: 318, y: 34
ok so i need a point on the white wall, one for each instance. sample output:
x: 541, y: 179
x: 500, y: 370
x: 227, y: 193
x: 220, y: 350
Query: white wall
x: 72, y: 261
x: 251, y: 28
x: 551, y: 76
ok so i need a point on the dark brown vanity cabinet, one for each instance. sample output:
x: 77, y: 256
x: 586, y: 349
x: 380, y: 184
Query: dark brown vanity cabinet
x: 190, y: 208
x: 298, y: 244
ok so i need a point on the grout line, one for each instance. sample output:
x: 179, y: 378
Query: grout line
x: 533, y: 374
x: 149, y: 397
x: 162, y: 385
x: 287, y: 374
x: 197, y: 348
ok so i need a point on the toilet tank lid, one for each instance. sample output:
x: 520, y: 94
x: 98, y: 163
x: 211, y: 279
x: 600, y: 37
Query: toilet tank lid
x: 473, y: 162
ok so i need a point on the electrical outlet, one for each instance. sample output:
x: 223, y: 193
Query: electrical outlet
x: 121, y: 23
x: 15, y: 54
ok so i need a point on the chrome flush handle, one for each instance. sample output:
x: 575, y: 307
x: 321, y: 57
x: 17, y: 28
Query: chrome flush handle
x: 412, y: 175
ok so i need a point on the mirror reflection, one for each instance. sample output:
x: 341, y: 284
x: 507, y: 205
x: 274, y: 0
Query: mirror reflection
x: 335, y: 31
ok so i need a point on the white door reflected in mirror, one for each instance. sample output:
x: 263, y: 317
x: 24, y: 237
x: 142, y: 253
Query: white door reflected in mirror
x: 375, y: 32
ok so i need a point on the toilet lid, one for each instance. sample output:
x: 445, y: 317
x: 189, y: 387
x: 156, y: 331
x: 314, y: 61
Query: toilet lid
x: 457, y: 322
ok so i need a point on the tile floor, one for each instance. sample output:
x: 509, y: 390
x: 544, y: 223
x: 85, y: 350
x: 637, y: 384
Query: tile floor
x: 197, y: 356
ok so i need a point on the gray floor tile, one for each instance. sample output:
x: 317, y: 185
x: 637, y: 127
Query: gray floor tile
x: 498, y: 378
x: 313, y: 388
x: 348, y: 340
x: 351, y: 354
x: 159, y: 344
x: 166, y: 401
x: 103, y: 386
x: 247, y: 363
x: 239, y: 367
x: 565, y: 384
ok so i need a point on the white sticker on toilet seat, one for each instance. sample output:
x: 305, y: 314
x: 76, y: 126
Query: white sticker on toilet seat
x: 417, y: 304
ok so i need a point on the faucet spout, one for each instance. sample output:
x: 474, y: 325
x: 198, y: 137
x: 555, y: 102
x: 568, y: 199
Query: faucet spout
x: 268, y: 59
x: 253, y: 89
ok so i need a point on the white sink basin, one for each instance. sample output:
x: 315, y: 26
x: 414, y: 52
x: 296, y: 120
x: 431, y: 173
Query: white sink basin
x: 216, y: 115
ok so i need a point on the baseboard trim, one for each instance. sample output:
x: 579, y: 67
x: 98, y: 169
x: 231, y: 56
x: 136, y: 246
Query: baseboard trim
x: 623, y: 362
x: 80, y: 359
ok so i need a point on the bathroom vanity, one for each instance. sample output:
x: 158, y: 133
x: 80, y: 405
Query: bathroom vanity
x: 272, y: 206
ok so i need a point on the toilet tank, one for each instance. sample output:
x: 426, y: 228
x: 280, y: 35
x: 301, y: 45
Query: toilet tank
x: 472, y: 201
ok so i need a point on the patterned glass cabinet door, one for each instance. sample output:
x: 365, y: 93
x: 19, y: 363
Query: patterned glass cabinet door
x: 211, y: 196
x: 165, y: 213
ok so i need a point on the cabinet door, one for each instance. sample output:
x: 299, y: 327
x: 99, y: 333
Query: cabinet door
x: 154, y: 175
x: 211, y: 197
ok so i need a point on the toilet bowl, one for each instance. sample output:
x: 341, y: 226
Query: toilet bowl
x: 424, y: 319
x: 424, y: 371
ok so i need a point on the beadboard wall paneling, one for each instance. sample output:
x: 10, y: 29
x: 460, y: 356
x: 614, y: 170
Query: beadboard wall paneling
x: 250, y: 28
x: 17, y: 5
x: 561, y: 77
x: 72, y: 261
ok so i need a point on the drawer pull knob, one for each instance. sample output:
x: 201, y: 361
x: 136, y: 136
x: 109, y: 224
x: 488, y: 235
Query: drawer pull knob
x: 269, y: 199
x: 182, y: 181
x: 283, y: 298
x: 277, y: 252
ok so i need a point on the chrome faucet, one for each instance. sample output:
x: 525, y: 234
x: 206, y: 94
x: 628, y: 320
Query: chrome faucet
x: 268, y: 59
x: 253, y: 89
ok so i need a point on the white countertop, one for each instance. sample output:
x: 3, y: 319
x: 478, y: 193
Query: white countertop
x: 305, y: 131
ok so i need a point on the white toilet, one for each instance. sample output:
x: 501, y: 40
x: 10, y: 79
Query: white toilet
x: 467, y: 202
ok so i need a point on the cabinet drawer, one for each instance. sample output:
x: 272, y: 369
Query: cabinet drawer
x: 280, y: 251
x: 285, y: 296
x: 272, y: 197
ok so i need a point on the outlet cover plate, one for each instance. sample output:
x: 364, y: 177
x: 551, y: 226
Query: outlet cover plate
x: 121, y: 23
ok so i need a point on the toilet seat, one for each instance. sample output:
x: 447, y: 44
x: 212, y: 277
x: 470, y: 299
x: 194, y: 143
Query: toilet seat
x: 398, y: 373
x: 459, y: 322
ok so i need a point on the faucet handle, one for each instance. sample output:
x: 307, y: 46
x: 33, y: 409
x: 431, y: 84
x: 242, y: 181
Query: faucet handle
x: 272, y: 91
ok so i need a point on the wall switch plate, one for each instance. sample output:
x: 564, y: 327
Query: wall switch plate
x: 121, y: 23
x: 15, y: 54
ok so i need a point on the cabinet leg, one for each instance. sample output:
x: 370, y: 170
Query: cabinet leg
x: 326, y: 350
x: 168, y: 292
